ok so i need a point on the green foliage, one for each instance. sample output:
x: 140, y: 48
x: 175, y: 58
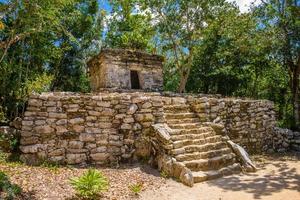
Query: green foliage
x: 51, y: 166
x: 9, y: 142
x: 2, y: 115
x: 44, y: 45
x: 8, y: 190
x: 136, y: 188
x: 129, y: 27
x: 164, y: 174
x: 90, y: 184
x: 42, y: 83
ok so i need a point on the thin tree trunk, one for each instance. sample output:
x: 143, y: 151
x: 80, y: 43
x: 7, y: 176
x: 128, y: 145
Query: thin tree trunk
x: 185, y: 72
x: 295, y: 92
x: 183, y: 80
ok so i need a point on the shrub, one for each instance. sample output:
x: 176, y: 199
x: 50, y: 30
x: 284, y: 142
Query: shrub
x: 9, y: 140
x: 136, y: 188
x: 8, y: 190
x: 164, y: 174
x: 90, y: 184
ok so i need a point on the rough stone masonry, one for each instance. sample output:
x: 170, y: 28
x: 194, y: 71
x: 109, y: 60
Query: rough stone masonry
x: 126, y: 69
x: 110, y: 127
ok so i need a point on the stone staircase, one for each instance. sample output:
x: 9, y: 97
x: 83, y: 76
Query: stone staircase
x: 196, y: 146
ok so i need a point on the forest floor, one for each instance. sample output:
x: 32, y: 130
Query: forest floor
x: 278, y: 178
x: 48, y: 182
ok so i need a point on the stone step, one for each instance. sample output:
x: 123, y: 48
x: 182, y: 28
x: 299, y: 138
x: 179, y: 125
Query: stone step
x: 185, y: 126
x: 214, y: 163
x: 201, y: 176
x: 180, y: 115
x: 183, y: 120
x: 182, y: 143
x: 177, y: 108
x: 198, y: 148
x: 198, y: 130
x: 202, y: 155
x: 192, y: 136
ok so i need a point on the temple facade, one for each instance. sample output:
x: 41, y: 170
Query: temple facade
x: 126, y: 69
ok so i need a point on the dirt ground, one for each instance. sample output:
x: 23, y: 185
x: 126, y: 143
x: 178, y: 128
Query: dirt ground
x: 277, y: 179
x: 48, y: 182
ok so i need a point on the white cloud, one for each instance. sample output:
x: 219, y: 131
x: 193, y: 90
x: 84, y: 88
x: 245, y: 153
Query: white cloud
x: 245, y: 4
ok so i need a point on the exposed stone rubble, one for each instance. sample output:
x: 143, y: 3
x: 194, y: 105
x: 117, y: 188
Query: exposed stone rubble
x: 243, y: 156
x: 282, y: 140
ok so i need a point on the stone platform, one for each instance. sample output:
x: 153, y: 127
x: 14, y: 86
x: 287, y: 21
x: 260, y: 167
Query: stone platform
x: 111, y: 127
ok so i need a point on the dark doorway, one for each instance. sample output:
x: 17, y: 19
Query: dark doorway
x: 135, y: 82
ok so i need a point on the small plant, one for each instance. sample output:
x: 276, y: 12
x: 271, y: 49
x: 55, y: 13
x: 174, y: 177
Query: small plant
x: 136, y: 188
x: 9, y: 142
x: 90, y: 184
x: 51, y: 166
x: 164, y: 174
x: 10, y: 159
x: 8, y: 190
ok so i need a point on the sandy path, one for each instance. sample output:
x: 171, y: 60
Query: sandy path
x: 278, y: 178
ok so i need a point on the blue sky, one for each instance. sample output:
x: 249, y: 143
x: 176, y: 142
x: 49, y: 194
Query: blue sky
x: 243, y: 4
x: 104, y: 4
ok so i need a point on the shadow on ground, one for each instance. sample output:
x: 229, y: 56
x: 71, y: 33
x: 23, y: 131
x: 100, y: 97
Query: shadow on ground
x: 277, y: 176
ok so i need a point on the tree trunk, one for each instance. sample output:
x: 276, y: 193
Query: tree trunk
x: 185, y: 72
x: 183, y: 80
x: 295, y: 93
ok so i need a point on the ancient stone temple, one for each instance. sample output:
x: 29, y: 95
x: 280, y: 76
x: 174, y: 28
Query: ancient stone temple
x: 188, y: 136
x: 126, y: 69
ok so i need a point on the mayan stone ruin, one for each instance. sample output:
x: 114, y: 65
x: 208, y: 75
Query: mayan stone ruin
x: 126, y: 69
x: 185, y: 136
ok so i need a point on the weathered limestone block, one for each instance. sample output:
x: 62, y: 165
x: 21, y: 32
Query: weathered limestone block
x: 31, y: 148
x: 76, y: 158
x: 76, y: 121
x: 100, y: 156
x: 57, y: 115
x: 61, y: 129
x: 186, y: 177
x: 56, y: 152
x: 75, y: 145
x: 87, y: 137
x: 92, y: 130
x: 94, y: 113
x: 29, y: 140
x: 162, y: 132
x: 78, y: 128
x: 105, y: 104
x: 44, y: 129
x: 132, y: 109
x: 35, y: 103
x: 144, y: 117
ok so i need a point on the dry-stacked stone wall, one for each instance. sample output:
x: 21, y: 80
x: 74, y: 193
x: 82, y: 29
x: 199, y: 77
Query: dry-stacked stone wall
x: 247, y: 122
x: 92, y: 128
x: 283, y: 140
x: 109, y: 127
